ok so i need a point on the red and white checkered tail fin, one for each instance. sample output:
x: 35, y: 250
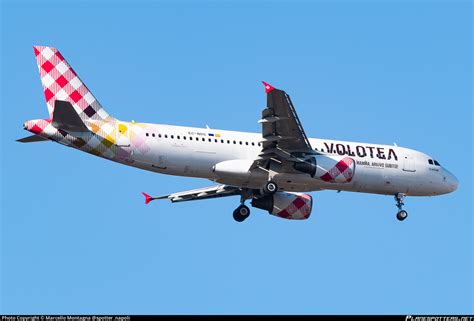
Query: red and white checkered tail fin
x: 60, y: 82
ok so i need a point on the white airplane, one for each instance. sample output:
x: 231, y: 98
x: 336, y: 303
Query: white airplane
x: 274, y: 169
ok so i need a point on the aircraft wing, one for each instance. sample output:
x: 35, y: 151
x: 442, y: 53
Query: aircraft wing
x: 283, y: 136
x: 197, y: 194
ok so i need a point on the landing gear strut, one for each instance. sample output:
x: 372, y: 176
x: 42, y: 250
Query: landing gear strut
x: 402, y: 214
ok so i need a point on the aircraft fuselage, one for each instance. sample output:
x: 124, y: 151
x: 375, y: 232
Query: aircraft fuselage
x: 193, y: 152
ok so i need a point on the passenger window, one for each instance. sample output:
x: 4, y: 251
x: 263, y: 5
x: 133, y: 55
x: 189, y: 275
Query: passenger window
x: 177, y: 137
x: 210, y: 140
x: 159, y: 135
x: 153, y: 134
x: 184, y: 137
x: 222, y: 141
x: 240, y: 143
x: 430, y: 161
x: 172, y: 136
x: 215, y: 140
x: 166, y: 136
x: 146, y: 134
x: 228, y: 141
x: 235, y: 142
x: 203, y: 139
x: 253, y: 144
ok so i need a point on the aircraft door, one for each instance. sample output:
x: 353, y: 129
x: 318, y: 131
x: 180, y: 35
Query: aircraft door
x: 409, y: 163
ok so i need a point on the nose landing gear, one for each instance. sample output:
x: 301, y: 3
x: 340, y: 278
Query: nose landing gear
x: 402, y: 214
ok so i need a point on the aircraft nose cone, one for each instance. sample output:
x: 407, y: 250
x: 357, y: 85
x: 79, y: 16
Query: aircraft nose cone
x: 454, y: 183
x: 451, y: 181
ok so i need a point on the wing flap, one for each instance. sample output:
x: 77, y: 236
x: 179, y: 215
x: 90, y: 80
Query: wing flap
x: 283, y: 136
x: 279, y: 119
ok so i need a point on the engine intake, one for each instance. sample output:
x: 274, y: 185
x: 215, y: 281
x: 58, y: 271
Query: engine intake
x: 292, y: 206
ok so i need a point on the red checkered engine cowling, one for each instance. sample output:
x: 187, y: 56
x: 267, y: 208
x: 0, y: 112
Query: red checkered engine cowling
x: 292, y: 206
x: 335, y: 169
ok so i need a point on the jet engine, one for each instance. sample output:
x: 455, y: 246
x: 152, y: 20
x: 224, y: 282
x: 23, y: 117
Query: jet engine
x: 329, y: 168
x: 292, y: 206
x: 308, y: 166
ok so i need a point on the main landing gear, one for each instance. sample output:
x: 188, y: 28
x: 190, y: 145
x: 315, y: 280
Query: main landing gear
x: 270, y: 188
x: 241, y: 213
x: 402, y: 214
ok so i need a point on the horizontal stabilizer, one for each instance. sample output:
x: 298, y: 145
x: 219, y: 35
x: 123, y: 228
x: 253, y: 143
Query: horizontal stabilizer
x: 66, y: 118
x: 32, y: 139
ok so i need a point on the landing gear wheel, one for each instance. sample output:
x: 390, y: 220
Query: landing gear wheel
x: 270, y: 188
x: 241, y: 213
x: 401, y: 215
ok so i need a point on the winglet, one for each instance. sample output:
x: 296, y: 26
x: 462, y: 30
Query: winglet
x: 268, y: 87
x: 148, y: 198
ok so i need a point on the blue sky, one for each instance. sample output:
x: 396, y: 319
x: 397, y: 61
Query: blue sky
x: 77, y: 238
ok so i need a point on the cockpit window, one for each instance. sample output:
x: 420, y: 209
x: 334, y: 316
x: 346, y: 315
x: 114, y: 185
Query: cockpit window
x: 436, y: 163
x: 430, y: 161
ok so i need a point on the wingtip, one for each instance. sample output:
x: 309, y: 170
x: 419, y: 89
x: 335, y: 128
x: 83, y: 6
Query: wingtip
x: 148, y: 198
x: 268, y: 87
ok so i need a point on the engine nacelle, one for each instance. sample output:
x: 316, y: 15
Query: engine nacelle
x: 329, y: 168
x: 308, y: 166
x: 292, y: 206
